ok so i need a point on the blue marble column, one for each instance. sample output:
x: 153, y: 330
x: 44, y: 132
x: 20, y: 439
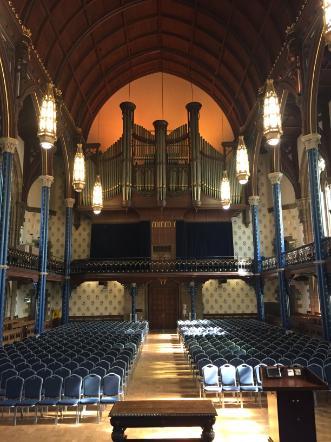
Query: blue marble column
x: 254, y: 201
x: 66, y: 290
x: 311, y: 142
x: 193, y: 295
x: 47, y: 181
x: 133, y: 294
x: 7, y: 146
x: 284, y: 304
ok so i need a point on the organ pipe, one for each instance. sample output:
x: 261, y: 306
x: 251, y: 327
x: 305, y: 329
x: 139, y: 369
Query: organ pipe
x: 128, y: 114
x: 193, y: 109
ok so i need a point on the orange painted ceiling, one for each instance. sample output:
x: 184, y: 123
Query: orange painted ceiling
x: 152, y: 104
x: 92, y: 48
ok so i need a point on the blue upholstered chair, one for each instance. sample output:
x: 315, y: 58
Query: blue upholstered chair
x: 91, y: 393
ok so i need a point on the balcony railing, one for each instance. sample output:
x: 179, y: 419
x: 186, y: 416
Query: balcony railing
x: 144, y: 265
x: 300, y: 255
x: 26, y: 260
x: 269, y: 263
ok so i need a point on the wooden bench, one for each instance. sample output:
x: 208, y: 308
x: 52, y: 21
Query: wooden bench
x: 167, y: 413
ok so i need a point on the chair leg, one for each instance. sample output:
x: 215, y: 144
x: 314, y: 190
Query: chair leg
x: 15, y: 412
x: 241, y: 399
x: 77, y: 415
x: 35, y: 415
x: 57, y: 415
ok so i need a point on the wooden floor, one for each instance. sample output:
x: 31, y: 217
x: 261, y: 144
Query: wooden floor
x: 162, y: 373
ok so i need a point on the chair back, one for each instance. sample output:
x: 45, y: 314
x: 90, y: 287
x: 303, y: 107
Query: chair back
x: 87, y: 364
x: 111, y: 384
x: 210, y: 374
x: 236, y: 361
x: 63, y: 372
x: 73, y: 386
x: 228, y: 374
x: 32, y: 387
x: 92, y: 385
x: 44, y: 373
x: 6, y: 375
x: 268, y: 361
x: 317, y: 370
x: 14, y: 388
x: 100, y: 371
x: 53, y: 387
x: 245, y: 374
x: 81, y: 371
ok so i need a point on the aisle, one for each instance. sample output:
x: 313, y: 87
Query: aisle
x: 161, y: 371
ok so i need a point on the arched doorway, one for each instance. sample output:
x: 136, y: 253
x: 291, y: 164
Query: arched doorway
x: 163, y: 305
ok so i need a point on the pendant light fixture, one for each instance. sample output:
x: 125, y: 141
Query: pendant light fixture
x: 272, y: 125
x: 242, y: 164
x: 78, y: 179
x: 225, y: 191
x: 47, y: 119
x: 97, y: 198
x: 327, y: 22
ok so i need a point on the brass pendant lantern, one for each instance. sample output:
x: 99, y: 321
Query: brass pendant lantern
x: 225, y: 191
x: 97, y: 198
x: 47, y: 119
x: 272, y: 125
x: 242, y: 164
x: 78, y: 179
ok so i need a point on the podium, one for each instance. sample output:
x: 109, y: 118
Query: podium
x: 291, y: 404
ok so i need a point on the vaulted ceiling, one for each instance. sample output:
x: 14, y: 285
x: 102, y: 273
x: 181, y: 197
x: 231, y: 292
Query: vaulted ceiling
x: 92, y: 48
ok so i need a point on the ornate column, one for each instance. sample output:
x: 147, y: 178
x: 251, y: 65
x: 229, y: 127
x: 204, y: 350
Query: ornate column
x: 7, y: 146
x: 133, y: 294
x: 47, y: 181
x: 275, y: 178
x: 127, y: 113
x: 193, y: 109
x: 193, y: 295
x: 161, y: 166
x: 311, y: 142
x: 66, y: 290
x: 254, y: 201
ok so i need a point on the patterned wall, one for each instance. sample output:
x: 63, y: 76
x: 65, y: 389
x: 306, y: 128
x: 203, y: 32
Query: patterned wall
x: 81, y: 240
x: 293, y: 226
x: 235, y: 296
x: 242, y: 238
x: 92, y: 299
x: 267, y: 230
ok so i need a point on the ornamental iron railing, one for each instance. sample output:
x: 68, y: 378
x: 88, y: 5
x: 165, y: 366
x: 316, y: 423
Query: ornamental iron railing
x: 26, y: 260
x: 145, y: 265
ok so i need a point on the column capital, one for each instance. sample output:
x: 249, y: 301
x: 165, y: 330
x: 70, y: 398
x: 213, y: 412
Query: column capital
x: 311, y: 141
x: 193, y: 106
x: 70, y: 202
x: 8, y: 144
x: 46, y: 180
x: 254, y: 200
x: 192, y: 284
x: 127, y: 106
x: 134, y: 284
x: 275, y: 177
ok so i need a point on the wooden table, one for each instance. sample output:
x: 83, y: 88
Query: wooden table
x: 167, y: 413
x: 291, y: 405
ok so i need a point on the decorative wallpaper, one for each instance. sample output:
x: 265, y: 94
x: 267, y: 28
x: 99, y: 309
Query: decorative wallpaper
x: 93, y: 299
x: 242, y: 238
x: 270, y: 290
x: 235, y: 296
x: 267, y: 230
x: 292, y: 226
x: 81, y: 240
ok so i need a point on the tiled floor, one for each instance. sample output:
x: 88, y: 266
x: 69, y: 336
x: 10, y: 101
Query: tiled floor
x: 162, y: 373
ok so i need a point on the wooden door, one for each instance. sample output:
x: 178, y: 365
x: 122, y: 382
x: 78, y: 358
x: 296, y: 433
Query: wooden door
x: 163, y: 306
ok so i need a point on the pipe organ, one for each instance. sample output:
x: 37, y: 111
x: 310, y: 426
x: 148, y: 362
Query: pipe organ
x: 161, y: 163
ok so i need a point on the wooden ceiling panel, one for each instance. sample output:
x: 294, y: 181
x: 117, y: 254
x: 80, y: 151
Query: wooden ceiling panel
x: 92, y: 47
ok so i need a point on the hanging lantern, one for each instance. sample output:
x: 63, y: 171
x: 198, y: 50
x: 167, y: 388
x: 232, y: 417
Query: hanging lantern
x: 47, y: 119
x: 225, y: 191
x: 327, y: 21
x: 78, y: 179
x: 272, y: 125
x: 97, y: 199
x: 242, y: 164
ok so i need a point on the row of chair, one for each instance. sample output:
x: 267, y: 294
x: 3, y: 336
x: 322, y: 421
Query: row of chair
x: 36, y: 393
x: 227, y: 378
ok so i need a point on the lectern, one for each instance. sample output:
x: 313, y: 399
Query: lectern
x: 291, y: 403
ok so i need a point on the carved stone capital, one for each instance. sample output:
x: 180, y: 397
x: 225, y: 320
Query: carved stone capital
x: 46, y: 180
x: 311, y: 141
x: 8, y: 144
x: 254, y: 200
x: 69, y: 202
x: 275, y: 177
